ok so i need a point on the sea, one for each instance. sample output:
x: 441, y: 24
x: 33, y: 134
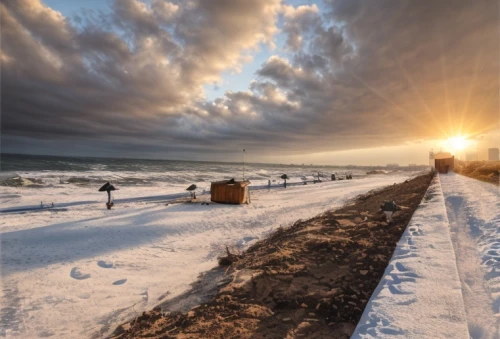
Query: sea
x: 47, y: 171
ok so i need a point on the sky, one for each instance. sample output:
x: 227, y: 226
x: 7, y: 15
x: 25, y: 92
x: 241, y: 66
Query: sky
x: 325, y: 82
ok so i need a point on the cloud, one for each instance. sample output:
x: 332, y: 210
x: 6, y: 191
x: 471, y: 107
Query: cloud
x: 300, y: 21
x: 381, y: 73
x: 141, y: 72
x: 359, y: 74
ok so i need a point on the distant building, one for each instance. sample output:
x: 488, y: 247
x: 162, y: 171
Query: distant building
x: 472, y: 156
x: 392, y: 165
x: 431, y: 158
x: 493, y: 154
x: 412, y: 165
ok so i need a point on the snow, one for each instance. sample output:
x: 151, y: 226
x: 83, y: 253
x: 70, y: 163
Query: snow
x: 78, y: 270
x: 474, y: 212
x: 443, y: 280
x: 419, y: 295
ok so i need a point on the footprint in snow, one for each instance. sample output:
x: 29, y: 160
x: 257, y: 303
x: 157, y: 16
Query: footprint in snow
x: 394, y: 290
x: 104, y: 264
x: 495, y: 245
x: 76, y: 274
x: 391, y: 331
x: 120, y: 282
x: 401, y: 267
x: 493, y: 253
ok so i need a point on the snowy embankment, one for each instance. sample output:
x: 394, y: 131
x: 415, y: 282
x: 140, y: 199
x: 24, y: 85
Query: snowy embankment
x: 80, y: 271
x: 474, y: 213
x: 420, y: 293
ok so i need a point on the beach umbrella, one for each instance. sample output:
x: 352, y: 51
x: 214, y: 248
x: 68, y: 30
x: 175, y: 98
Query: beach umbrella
x: 107, y: 187
x: 284, y: 177
x: 192, y: 189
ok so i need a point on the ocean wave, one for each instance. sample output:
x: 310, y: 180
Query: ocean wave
x: 18, y: 181
x: 47, y: 171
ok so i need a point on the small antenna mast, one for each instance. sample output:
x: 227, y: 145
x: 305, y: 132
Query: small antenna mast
x: 244, y: 164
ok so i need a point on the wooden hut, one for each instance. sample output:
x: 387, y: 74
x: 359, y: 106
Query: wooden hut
x: 230, y: 192
x: 444, y: 162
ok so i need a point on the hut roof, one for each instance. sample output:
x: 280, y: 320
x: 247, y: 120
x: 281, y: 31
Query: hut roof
x: 232, y: 182
x: 443, y: 155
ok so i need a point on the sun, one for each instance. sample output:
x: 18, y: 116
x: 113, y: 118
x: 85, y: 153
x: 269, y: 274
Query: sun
x: 458, y: 143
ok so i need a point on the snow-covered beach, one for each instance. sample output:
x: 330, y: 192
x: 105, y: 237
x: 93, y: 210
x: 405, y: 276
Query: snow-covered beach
x: 79, y: 270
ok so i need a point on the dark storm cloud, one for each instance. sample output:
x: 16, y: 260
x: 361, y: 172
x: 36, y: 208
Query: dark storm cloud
x: 363, y: 74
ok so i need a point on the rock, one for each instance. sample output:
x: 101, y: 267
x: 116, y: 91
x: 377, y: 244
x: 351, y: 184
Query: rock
x: 287, y: 319
x: 363, y: 272
x: 303, y: 305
